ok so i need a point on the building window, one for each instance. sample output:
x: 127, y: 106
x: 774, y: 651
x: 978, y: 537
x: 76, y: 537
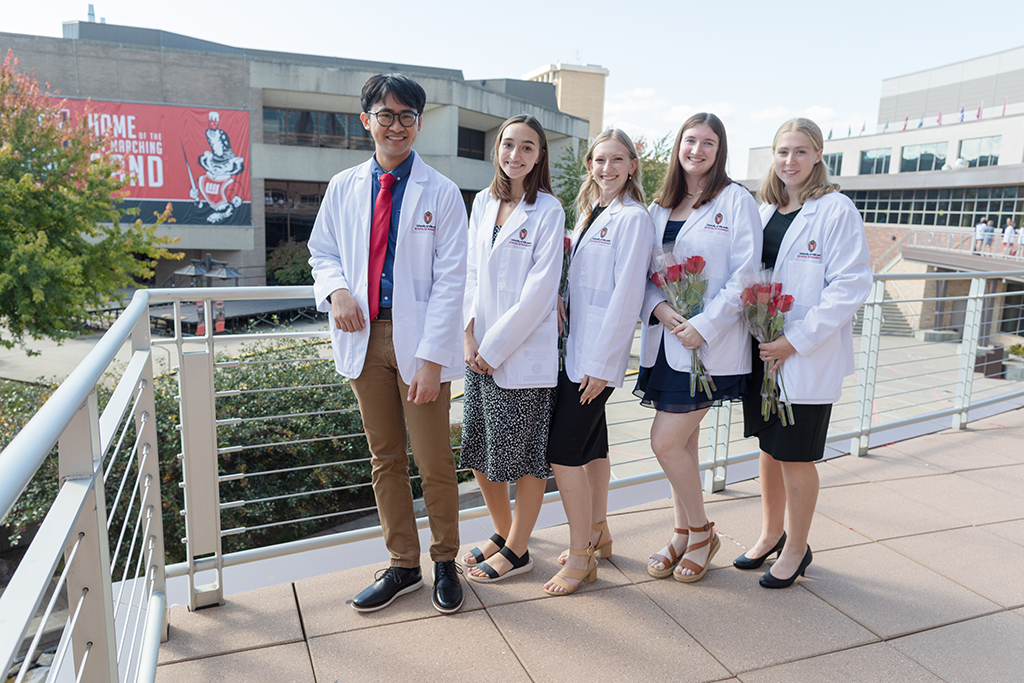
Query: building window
x: 981, y: 151
x: 290, y: 209
x: 945, y: 207
x: 929, y: 157
x: 1013, y: 309
x: 834, y: 163
x: 314, y: 129
x: 875, y: 161
x: 471, y: 143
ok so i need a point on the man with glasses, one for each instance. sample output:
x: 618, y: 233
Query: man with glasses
x: 388, y: 251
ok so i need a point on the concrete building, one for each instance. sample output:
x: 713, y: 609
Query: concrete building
x: 948, y: 152
x: 579, y: 89
x: 303, y: 123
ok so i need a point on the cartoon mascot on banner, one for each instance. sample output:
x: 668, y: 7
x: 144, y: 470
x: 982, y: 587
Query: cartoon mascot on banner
x: 216, y: 188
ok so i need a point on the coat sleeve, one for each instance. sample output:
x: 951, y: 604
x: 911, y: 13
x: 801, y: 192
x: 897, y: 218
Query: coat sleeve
x: 652, y: 295
x: 847, y: 281
x: 472, y: 265
x: 325, y: 249
x: 441, y: 329
x: 539, y: 293
x: 725, y: 308
x: 632, y: 260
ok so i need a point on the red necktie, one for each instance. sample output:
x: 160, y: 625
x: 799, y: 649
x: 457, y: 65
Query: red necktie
x: 379, y: 241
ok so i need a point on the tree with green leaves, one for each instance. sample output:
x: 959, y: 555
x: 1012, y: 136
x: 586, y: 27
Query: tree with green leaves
x: 63, y: 249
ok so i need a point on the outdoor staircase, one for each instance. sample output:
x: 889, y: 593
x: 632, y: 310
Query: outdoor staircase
x: 894, y: 322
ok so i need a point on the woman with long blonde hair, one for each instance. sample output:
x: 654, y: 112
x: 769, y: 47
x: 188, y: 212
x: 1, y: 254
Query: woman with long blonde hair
x: 611, y: 247
x: 814, y: 239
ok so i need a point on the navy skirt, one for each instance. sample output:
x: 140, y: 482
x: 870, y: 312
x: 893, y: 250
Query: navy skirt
x: 663, y: 388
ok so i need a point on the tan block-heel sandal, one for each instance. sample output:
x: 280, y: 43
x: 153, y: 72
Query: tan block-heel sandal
x: 603, y: 549
x: 579, y: 575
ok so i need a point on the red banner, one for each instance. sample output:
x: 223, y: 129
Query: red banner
x: 195, y: 158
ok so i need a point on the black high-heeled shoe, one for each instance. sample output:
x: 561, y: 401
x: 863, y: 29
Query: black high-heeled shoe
x: 769, y: 581
x: 744, y: 562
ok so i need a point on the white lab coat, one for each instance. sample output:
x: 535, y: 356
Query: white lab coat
x: 429, y: 270
x: 512, y: 289
x: 726, y: 233
x: 825, y: 264
x: 607, y: 279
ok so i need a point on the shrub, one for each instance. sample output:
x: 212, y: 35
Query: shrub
x: 288, y: 262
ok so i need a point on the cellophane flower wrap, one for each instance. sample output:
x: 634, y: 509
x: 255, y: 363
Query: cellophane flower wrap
x: 563, y: 294
x: 684, y: 285
x: 765, y: 307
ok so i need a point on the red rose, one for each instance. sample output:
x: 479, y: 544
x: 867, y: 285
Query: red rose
x: 674, y: 273
x: 567, y: 245
x: 747, y: 297
x: 695, y: 265
x: 776, y: 289
x: 658, y: 280
x: 763, y: 295
x: 771, y: 308
x: 786, y: 303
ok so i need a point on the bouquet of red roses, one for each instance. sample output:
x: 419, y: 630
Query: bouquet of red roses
x: 766, y: 307
x: 684, y: 285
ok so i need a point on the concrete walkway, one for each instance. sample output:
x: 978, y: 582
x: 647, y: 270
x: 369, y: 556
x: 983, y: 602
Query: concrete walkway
x: 918, y: 549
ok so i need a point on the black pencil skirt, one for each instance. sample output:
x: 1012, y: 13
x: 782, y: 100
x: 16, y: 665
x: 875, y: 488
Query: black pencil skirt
x: 579, y: 433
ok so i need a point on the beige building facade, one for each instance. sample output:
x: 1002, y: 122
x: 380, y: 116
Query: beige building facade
x: 579, y: 90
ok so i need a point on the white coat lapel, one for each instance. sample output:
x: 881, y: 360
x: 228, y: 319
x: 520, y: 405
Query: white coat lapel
x: 411, y: 198
x: 364, y: 200
x: 794, y: 235
x: 599, y: 224
x: 514, y: 223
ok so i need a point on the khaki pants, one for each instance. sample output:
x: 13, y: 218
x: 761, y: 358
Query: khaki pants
x: 386, y: 412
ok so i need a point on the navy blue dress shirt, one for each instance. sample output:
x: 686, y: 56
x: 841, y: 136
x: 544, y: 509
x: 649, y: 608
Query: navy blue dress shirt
x: 401, y: 174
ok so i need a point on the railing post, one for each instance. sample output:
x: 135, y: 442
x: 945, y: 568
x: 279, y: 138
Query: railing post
x: 870, y: 338
x: 201, y: 474
x: 718, y: 446
x: 969, y: 352
x: 89, y: 574
x: 151, y: 465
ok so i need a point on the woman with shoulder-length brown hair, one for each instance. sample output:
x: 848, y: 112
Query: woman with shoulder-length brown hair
x: 814, y: 240
x: 511, y: 343
x: 699, y: 211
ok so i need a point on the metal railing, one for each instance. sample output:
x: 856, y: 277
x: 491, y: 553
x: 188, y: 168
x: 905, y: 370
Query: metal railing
x: 963, y: 241
x: 111, y: 562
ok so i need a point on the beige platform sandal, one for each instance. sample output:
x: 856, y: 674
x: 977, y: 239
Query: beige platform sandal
x: 669, y: 562
x: 588, y: 575
x: 699, y: 571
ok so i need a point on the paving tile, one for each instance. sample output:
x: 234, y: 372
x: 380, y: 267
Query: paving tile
x: 887, y: 593
x: 958, y: 450
x: 830, y: 474
x: 883, y: 464
x: 580, y: 636
x: 747, y: 627
x: 1006, y: 479
x: 545, y: 547
x: 1011, y: 531
x: 326, y: 600
x: 986, y: 650
x: 460, y: 647
x: 249, y: 620
x: 280, y: 664
x: 739, y: 525
x: 974, y: 558
x: 876, y: 663
x: 879, y: 512
x: 961, y: 497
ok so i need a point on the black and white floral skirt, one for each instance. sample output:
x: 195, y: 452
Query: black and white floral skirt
x: 505, y: 431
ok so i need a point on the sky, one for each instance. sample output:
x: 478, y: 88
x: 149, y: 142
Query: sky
x: 755, y: 64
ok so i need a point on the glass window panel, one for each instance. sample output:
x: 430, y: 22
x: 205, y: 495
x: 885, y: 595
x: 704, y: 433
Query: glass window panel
x: 273, y: 126
x: 358, y: 136
x: 958, y: 194
x: 943, y: 205
x: 983, y: 193
x: 915, y: 218
x: 932, y: 194
x: 884, y: 194
x: 930, y: 206
x: 893, y: 217
x: 872, y: 194
x: 869, y: 217
x: 275, y: 197
x: 870, y: 206
x: 333, y: 130
x: 941, y: 219
x: 929, y: 219
x: 919, y: 194
x: 1010, y: 191
x: 302, y: 128
x: 956, y: 206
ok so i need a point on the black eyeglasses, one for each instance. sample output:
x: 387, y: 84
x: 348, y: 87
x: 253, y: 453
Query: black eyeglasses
x: 386, y: 118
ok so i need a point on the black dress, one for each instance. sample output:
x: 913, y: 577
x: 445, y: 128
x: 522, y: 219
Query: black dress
x: 804, y: 439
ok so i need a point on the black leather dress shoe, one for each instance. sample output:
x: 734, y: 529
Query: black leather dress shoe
x: 389, y: 584
x: 447, y: 596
